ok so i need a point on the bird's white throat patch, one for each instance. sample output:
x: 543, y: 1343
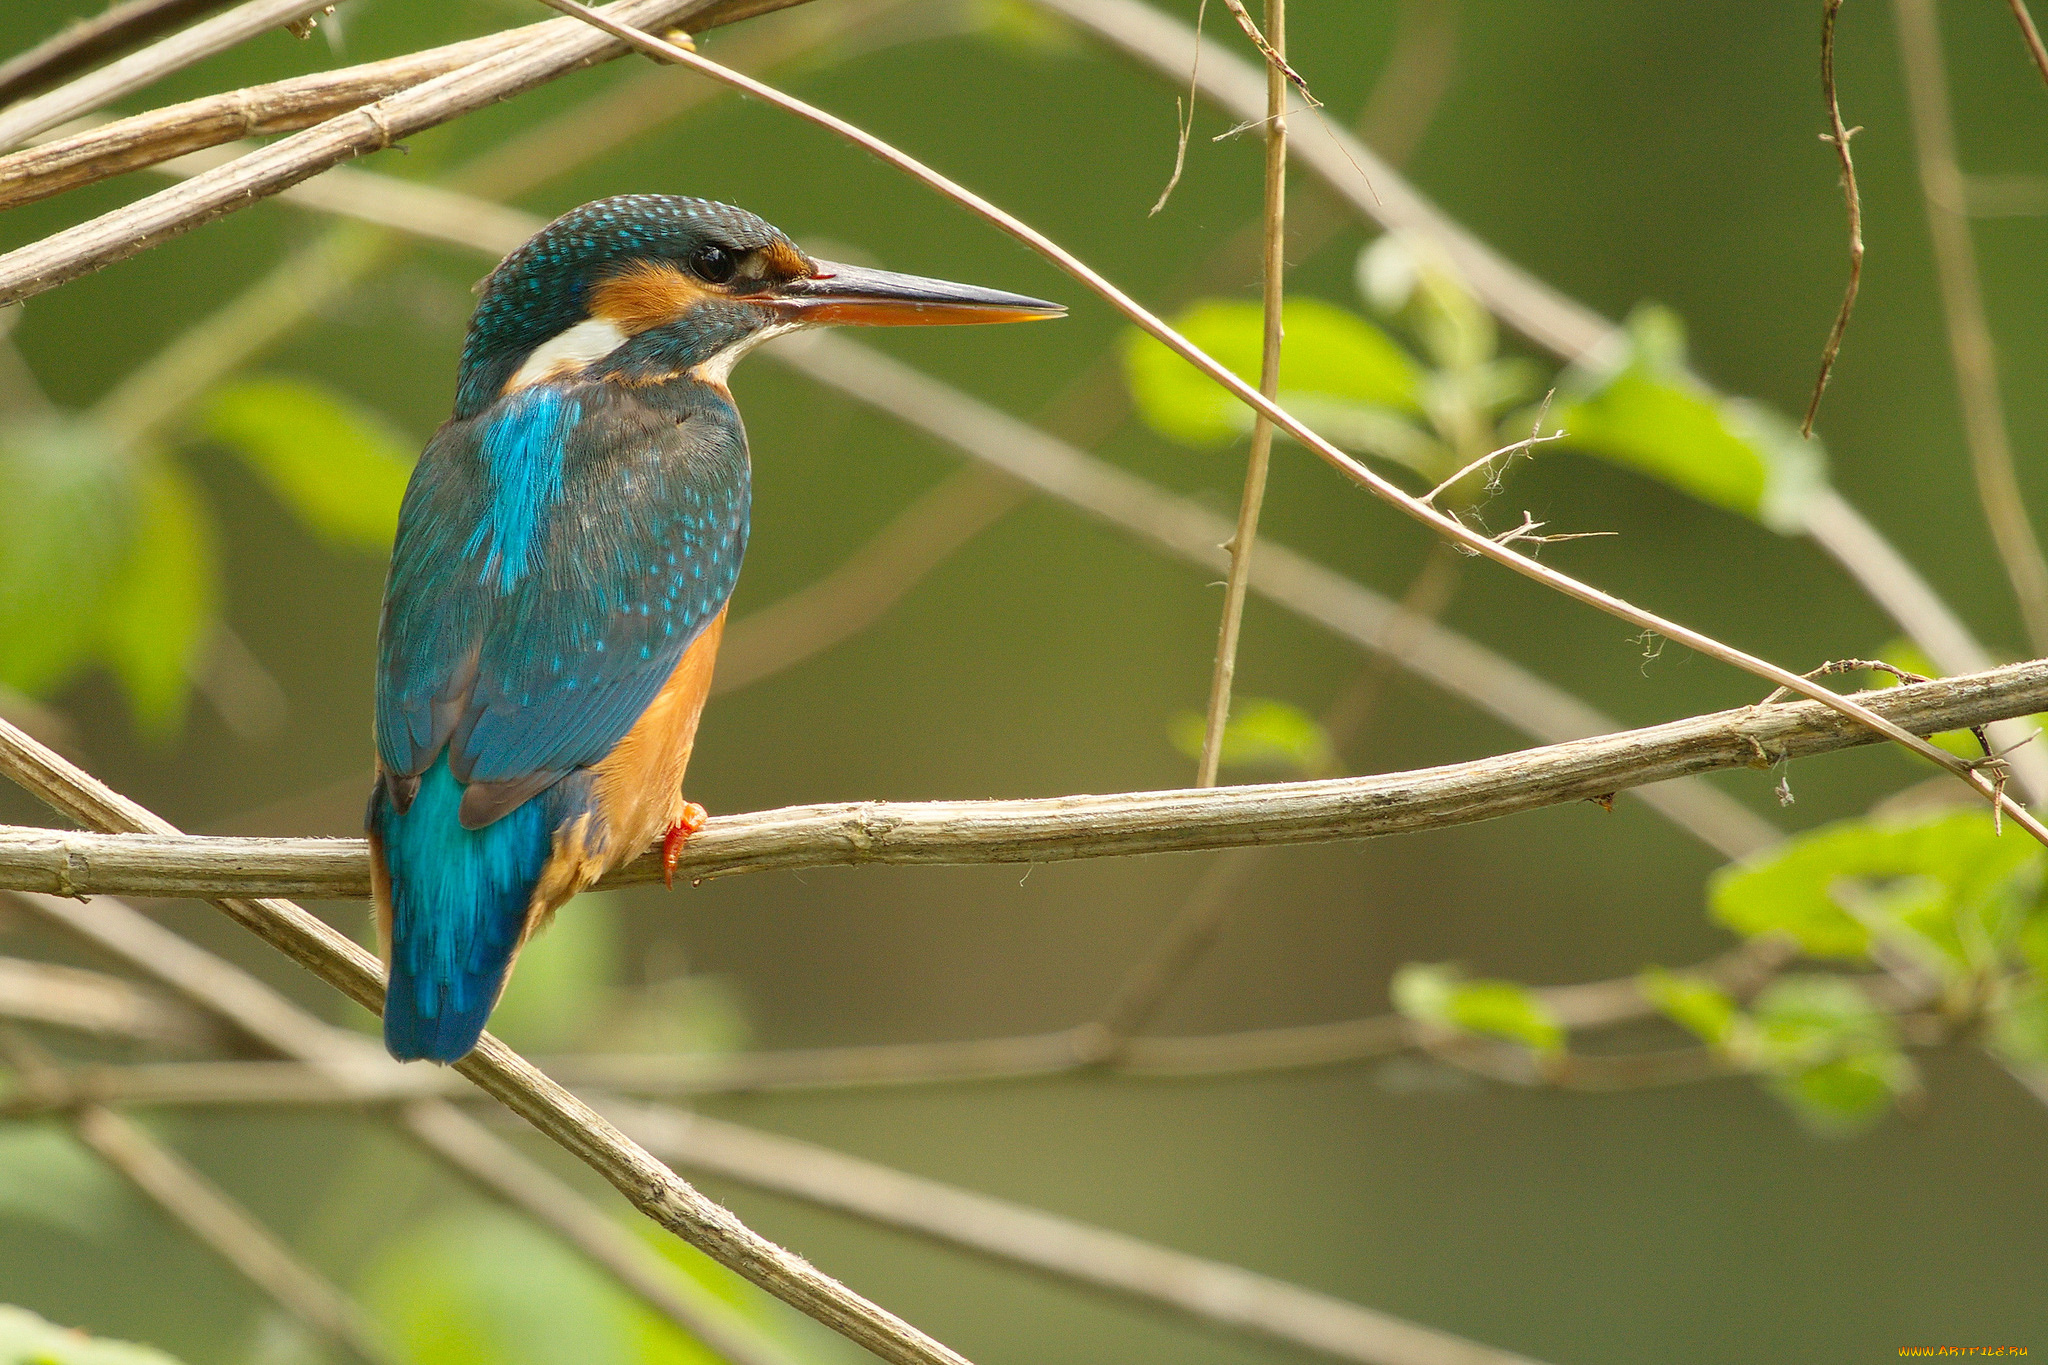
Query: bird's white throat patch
x: 569, y: 350
x: 718, y: 368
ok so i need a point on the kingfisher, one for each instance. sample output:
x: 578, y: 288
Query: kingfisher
x: 565, y: 552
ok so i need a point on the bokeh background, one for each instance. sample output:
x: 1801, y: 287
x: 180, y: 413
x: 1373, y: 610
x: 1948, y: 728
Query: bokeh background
x: 1624, y: 152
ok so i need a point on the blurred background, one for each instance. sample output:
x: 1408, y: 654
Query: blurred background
x: 1628, y: 154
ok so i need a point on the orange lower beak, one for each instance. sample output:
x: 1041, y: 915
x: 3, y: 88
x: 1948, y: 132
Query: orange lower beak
x: 843, y: 295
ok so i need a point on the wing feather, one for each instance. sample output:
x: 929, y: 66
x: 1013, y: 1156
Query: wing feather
x: 556, y: 555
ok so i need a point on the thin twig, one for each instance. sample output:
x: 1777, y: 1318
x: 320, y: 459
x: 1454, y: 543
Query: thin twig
x: 2031, y: 36
x: 1971, y: 349
x: 1244, y: 537
x: 1839, y: 137
x: 1449, y: 527
x: 1273, y: 48
x: 132, y: 228
x: 1585, y: 1006
x: 1146, y: 985
x: 228, y: 1230
x: 1183, y: 116
x: 509, y: 1078
x: 85, y: 41
x: 352, y: 1065
x: 1019, y: 451
x: 24, y: 120
x: 958, y: 833
x: 1567, y: 328
x: 148, y: 139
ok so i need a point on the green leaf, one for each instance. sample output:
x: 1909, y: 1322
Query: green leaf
x: 65, y: 525
x: 1808, y: 1017
x: 339, y: 467
x: 1693, y: 1003
x: 160, y: 606
x: 1846, y: 1096
x: 1827, y: 887
x: 1831, y: 1053
x: 1638, y: 406
x: 26, y: 1339
x: 1439, y: 996
x: 1265, y: 734
x: 1332, y: 361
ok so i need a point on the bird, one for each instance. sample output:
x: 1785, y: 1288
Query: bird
x: 566, y: 547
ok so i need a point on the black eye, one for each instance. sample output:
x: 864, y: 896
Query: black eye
x: 712, y: 264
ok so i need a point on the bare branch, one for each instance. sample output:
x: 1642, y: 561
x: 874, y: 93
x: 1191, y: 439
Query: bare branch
x: 86, y: 41
x: 1839, y: 137
x: 162, y: 863
x: 503, y: 1172
x: 1274, y: 271
x: 19, y: 122
x: 1088, y: 1046
x: 1446, y: 526
x: 1560, y: 324
x: 287, y: 106
x: 509, y: 1078
x: 135, y: 227
x: 352, y: 1066
x: 1042, y: 1241
x: 1018, y: 450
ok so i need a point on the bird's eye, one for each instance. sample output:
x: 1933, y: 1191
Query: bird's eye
x: 712, y: 264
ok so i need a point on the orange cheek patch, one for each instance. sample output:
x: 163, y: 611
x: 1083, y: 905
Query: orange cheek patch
x: 785, y: 261
x: 646, y: 294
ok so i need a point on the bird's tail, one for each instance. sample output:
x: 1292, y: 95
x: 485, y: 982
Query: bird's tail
x: 454, y: 903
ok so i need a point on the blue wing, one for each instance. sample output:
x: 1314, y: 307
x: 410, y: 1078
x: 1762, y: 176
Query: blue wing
x: 556, y: 554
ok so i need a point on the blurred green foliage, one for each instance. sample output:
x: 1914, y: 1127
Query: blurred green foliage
x: 26, y: 1339
x: 1441, y: 997
x: 335, y: 465
x: 110, y: 555
x: 1262, y: 733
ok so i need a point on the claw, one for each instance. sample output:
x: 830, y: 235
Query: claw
x: 693, y: 819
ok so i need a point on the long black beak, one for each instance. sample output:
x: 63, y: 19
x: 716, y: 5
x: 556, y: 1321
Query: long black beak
x: 853, y: 294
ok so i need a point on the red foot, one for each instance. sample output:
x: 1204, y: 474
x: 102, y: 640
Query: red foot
x: 693, y: 820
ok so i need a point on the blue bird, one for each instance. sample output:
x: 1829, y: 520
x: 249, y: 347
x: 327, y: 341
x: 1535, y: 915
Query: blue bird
x: 565, y: 552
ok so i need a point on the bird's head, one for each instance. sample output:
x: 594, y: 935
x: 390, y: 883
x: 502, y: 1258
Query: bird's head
x: 647, y: 288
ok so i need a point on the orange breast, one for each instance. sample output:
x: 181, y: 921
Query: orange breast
x: 639, y: 785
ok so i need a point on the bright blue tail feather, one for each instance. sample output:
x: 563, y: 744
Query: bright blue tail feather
x: 458, y: 906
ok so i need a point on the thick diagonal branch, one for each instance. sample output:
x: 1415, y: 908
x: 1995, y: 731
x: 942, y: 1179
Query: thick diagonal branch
x: 507, y: 1077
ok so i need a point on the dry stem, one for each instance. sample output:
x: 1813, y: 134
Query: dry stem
x: 1839, y: 137
x: 1274, y: 228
